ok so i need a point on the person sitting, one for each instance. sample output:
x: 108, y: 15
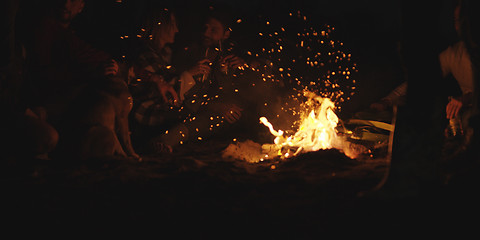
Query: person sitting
x: 26, y: 135
x: 219, y: 83
x: 154, y: 82
x: 457, y: 73
x: 62, y: 70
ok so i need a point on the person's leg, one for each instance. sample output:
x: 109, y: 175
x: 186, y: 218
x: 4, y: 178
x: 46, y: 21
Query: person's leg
x: 202, y: 125
x: 36, y: 137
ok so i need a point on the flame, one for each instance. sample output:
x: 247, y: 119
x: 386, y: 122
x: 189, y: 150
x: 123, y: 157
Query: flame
x: 316, y: 129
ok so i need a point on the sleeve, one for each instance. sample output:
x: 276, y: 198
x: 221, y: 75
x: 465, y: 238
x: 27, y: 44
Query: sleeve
x: 90, y: 59
x: 43, y: 73
x: 149, y: 68
x: 150, y: 62
x: 397, y: 96
x: 445, y: 58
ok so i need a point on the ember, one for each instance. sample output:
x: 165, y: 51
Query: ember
x: 319, y: 72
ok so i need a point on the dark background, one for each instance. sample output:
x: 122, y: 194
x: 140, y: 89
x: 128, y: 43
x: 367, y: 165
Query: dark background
x: 309, y: 196
x: 371, y: 31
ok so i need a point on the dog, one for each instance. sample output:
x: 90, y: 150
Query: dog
x: 98, y: 120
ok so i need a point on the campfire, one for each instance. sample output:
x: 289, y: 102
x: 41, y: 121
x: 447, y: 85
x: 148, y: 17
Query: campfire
x: 320, y: 73
x: 316, y: 131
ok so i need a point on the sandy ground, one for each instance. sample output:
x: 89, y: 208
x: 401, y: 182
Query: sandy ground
x: 197, y: 193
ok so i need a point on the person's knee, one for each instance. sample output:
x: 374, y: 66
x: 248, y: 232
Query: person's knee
x: 50, y: 137
x: 38, y: 136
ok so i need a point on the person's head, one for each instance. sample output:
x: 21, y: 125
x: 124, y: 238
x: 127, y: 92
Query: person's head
x: 67, y: 10
x: 160, y: 27
x: 456, y: 15
x: 216, y: 28
x: 467, y: 24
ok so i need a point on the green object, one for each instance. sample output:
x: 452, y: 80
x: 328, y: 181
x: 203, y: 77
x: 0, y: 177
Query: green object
x: 367, y: 130
x: 377, y: 124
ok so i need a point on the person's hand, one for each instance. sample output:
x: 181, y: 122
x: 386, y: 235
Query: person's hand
x: 37, y: 112
x: 202, y: 67
x: 453, y: 107
x: 110, y: 68
x: 231, y: 112
x: 165, y: 88
x: 233, y: 61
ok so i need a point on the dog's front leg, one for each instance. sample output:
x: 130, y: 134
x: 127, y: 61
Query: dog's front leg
x: 118, y: 149
x: 123, y: 133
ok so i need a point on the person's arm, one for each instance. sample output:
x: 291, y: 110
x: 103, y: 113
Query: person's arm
x: 395, y: 97
x: 187, y: 80
x: 233, y: 61
x: 398, y: 94
x: 153, y: 72
x: 90, y: 59
x: 43, y: 73
x: 165, y: 88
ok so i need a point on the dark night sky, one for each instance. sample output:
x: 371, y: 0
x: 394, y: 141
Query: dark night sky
x: 370, y: 29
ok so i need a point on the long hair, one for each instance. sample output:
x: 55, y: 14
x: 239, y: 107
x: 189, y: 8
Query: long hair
x: 155, y: 19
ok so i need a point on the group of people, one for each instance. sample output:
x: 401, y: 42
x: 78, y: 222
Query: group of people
x: 185, y: 93
x: 80, y: 101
